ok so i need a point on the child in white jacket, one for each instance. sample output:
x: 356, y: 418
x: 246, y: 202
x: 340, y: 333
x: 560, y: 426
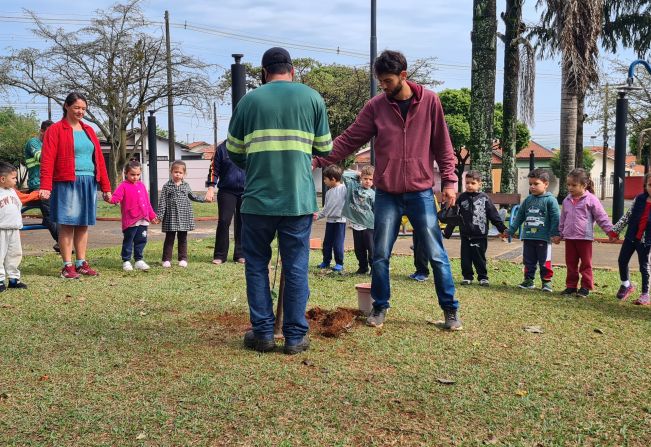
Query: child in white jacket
x: 11, y: 221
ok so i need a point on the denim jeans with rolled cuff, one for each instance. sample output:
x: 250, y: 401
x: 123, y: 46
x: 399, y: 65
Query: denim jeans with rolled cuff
x: 420, y: 209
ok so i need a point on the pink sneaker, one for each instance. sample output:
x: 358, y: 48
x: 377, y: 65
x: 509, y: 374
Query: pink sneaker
x: 625, y: 292
x: 69, y: 272
x: 84, y: 269
x: 643, y: 300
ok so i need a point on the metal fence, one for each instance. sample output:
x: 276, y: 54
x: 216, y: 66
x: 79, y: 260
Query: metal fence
x: 597, y: 186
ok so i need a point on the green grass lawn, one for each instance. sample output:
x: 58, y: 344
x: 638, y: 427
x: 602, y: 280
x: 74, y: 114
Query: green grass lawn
x: 156, y: 359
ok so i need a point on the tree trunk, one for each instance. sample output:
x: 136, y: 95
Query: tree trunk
x: 482, y: 105
x: 512, y: 21
x: 569, y: 102
x: 580, y: 119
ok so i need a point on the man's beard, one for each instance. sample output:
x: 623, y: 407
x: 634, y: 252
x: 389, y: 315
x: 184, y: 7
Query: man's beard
x: 392, y: 94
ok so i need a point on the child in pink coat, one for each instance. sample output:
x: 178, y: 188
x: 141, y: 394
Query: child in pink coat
x: 581, y: 209
x: 137, y: 213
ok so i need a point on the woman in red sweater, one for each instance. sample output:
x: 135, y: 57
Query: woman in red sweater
x: 72, y: 165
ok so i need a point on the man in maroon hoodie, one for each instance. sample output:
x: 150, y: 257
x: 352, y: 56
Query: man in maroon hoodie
x: 410, y: 135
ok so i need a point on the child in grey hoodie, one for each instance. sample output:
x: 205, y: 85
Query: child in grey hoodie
x: 335, y: 233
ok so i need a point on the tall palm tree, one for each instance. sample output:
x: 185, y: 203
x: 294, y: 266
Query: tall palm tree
x: 519, y: 82
x: 482, y: 104
x: 571, y: 28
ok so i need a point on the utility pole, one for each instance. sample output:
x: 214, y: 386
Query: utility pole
x: 605, y: 148
x: 214, y: 124
x: 49, y: 108
x: 373, y: 56
x: 170, y: 99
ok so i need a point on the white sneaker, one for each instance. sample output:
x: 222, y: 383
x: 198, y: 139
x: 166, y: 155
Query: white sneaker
x: 126, y: 266
x: 167, y: 264
x: 183, y: 263
x: 141, y: 265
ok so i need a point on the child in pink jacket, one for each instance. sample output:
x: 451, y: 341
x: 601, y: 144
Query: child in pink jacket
x: 137, y: 213
x: 581, y: 209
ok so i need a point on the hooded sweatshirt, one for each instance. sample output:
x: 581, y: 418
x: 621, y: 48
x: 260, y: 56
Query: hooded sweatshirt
x: 539, y: 216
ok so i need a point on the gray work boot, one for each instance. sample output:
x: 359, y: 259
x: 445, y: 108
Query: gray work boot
x: 452, y: 321
x: 376, y: 319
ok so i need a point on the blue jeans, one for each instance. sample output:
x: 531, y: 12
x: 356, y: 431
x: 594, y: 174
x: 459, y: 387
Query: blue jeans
x: 135, y: 239
x: 335, y: 233
x: 258, y: 233
x: 419, y: 208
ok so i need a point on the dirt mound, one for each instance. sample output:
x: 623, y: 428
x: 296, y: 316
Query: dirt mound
x: 332, y: 323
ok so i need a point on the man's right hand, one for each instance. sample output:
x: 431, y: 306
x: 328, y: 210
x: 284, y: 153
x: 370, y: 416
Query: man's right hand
x: 44, y: 194
x: 210, y: 194
x: 314, y: 165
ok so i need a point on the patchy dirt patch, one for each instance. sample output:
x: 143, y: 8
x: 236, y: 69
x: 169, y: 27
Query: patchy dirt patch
x: 219, y: 327
x: 332, y: 323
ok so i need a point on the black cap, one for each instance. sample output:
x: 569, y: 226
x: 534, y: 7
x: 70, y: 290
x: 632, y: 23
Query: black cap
x: 275, y: 55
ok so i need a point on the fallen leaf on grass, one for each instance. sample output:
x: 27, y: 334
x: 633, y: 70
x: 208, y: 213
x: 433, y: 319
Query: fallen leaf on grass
x: 491, y: 441
x: 68, y: 295
x: 4, y: 396
x: 533, y: 329
x: 142, y: 314
x: 81, y: 299
x: 307, y: 362
x: 521, y: 392
x: 141, y: 436
x: 6, y: 306
x: 599, y: 331
x: 44, y: 378
x: 444, y: 381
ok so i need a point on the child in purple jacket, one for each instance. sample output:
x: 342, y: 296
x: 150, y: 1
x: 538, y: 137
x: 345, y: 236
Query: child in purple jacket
x: 581, y: 209
x: 137, y: 213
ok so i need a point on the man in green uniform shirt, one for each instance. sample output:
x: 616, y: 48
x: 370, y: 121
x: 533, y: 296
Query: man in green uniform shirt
x: 32, y: 153
x: 273, y: 134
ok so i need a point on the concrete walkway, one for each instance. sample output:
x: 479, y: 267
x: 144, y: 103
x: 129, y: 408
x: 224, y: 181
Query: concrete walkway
x: 109, y: 234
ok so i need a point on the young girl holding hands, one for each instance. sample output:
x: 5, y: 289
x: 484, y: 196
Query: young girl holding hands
x: 137, y: 213
x: 581, y: 209
x: 637, y: 239
x: 175, y: 211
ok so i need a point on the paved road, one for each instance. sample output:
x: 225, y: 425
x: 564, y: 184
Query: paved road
x: 109, y: 233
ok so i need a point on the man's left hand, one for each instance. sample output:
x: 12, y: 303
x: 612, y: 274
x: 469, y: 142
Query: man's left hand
x: 449, y: 196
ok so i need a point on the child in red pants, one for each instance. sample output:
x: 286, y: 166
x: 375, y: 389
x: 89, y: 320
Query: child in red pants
x: 581, y: 209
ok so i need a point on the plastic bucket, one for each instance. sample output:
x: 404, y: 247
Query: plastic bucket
x: 364, y: 300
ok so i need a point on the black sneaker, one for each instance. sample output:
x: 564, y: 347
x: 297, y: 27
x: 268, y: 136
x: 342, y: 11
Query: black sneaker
x: 2, y: 286
x: 484, y: 282
x: 56, y: 248
x: 452, y: 321
x: 257, y: 344
x: 361, y: 271
x: 17, y: 284
x: 299, y: 347
x: 376, y: 319
x: 569, y: 291
x: 582, y: 292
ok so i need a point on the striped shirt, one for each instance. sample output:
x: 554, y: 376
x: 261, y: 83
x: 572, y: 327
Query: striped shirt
x: 273, y: 134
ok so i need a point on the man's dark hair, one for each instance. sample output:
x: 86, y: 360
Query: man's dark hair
x: 474, y: 175
x: 333, y: 172
x: 390, y: 62
x: 45, y: 124
x: 6, y: 168
x: 540, y: 174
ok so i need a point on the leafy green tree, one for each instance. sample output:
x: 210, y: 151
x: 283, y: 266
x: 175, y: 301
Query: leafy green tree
x: 15, y: 130
x: 555, y: 163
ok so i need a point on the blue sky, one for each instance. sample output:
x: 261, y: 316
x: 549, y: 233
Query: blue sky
x: 419, y: 28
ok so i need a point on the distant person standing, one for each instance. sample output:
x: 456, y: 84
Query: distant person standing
x: 274, y: 131
x: 72, y: 165
x: 32, y: 154
x: 229, y: 180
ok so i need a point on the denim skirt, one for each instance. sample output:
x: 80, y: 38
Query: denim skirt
x: 74, y: 203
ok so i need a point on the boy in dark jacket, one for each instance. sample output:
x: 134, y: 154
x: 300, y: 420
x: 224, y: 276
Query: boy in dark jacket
x: 476, y: 210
